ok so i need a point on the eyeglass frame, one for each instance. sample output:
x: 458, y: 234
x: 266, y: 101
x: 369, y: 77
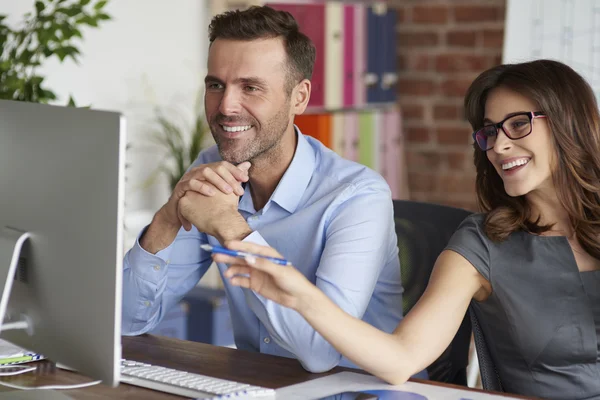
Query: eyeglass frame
x: 531, y: 114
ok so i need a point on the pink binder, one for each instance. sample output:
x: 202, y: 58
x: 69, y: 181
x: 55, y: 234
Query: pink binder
x: 311, y: 19
x: 348, y: 77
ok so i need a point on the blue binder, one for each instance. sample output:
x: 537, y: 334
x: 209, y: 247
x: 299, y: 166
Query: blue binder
x: 375, y: 53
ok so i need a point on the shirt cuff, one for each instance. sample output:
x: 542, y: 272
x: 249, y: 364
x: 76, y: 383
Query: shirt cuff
x: 147, y: 266
x: 256, y: 238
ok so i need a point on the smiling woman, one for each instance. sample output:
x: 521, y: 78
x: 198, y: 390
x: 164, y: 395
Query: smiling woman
x: 528, y: 266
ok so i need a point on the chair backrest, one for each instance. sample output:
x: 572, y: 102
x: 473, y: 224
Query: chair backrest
x: 423, y: 230
x: 490, y: 379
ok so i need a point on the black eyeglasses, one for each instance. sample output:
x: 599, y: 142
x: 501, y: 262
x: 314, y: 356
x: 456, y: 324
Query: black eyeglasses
x: 516, y: 126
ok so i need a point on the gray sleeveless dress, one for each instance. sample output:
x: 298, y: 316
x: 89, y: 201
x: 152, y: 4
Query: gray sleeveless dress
x: 542, y: 321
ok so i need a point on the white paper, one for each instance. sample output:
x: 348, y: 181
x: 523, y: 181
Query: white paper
x: 351, y: 382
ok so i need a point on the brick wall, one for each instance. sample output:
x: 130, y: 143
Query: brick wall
x: 442, y: 46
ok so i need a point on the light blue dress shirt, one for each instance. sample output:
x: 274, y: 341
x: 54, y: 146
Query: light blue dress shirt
x: 331, y: 217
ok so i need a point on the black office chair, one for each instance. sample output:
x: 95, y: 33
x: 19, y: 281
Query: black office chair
x: 490, y: 379
x: 423, y: 230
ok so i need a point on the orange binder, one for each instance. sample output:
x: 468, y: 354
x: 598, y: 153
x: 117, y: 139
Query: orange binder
x: 317, y: 126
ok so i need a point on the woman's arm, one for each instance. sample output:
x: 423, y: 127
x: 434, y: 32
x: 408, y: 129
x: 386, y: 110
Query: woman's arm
x: 417, y: 341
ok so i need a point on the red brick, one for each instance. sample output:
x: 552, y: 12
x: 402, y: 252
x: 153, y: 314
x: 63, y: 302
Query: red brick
x: 456, y: 183
x: 478, y: 13
x: 493, y: 38
x: 461, y: 39
x: 412, y: 111
x: 423, y: 160
x: 417, y: 134
x: 457, y: 62
x: 430, y: 15
x: 419, y: 196
x: 402, y: 61
x: 421, y: 181
x: 452, y: 135
x: 448, y: 112
x: 457, y: 161
x: 416, y: 87
x: 401, y: 15
x: 456, y: 87
x: 418, y: 39
x: 420, y: 62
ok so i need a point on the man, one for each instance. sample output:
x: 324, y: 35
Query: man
x: 331, y: 217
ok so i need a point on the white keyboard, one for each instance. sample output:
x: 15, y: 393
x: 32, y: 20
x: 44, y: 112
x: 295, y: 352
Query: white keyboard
x: 188, y: 384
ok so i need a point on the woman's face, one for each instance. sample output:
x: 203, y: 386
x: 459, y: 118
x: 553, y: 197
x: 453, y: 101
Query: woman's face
x: 525, y: 165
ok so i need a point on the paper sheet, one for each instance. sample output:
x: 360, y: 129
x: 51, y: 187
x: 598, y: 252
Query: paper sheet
x: 11, y: 354
x: 327, y: 388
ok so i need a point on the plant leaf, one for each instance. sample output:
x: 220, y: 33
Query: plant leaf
x: 39, y: 7
x: 100, y: 5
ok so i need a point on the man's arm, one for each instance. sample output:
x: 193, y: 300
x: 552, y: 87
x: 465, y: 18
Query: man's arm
x: 166, y: 261
x: 153, y: 283
x: 358, y: 241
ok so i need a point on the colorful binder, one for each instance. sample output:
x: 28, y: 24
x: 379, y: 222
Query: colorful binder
x: 311, y: 20
x: 317, y: 126
x: 334, y: 58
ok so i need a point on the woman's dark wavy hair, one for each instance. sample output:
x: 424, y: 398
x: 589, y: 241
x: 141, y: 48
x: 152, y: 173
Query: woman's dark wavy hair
x: 572, y: 114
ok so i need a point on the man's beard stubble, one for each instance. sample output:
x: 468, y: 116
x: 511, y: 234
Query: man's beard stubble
x: 264, y: 145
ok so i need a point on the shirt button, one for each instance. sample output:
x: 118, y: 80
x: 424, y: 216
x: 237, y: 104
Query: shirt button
x: 157, y: 267
x: 267, y: 340
x: 147, y: 303
x: 253, y: 218
x: 168, y: 262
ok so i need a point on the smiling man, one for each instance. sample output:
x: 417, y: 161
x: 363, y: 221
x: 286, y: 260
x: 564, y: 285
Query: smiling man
x: 267, y: 183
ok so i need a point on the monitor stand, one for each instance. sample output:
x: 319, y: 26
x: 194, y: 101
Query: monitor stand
x: 11, y: 251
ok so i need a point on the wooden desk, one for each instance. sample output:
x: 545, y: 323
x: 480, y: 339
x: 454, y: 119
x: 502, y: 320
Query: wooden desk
x: 221, y: 362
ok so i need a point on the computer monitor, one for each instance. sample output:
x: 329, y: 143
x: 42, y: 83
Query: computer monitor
x: 61, y: 223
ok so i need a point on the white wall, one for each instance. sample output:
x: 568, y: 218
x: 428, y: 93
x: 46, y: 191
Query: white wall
x: 567, y: 31
x: 153, y: 52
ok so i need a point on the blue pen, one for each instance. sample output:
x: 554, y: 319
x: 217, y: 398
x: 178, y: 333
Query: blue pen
x: 242, y: 254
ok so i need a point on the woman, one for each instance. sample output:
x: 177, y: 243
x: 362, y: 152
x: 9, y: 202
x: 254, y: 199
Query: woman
x: 530, y: 261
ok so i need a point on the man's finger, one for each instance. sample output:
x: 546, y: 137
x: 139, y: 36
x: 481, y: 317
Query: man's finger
x: 211, y: 176
x: 201, y: 187
x: 184, y: 222
x: 240, y: 171
x: 229, y: 174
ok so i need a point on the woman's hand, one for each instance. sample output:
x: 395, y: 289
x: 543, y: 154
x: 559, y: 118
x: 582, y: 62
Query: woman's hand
x: 282, y: 284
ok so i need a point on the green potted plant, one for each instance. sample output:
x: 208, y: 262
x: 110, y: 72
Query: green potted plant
x: 52, y: 29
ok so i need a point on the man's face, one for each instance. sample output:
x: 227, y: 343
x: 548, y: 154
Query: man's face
x: 246, y: 102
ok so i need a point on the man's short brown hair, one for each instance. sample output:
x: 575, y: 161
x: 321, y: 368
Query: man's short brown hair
x: 263, y: 22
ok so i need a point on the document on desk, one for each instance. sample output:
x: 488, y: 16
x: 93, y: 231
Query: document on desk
x: 11, y: 354
x: 356, y: 386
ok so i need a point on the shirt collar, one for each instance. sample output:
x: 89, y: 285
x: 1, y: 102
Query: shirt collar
x: 294, y: 181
